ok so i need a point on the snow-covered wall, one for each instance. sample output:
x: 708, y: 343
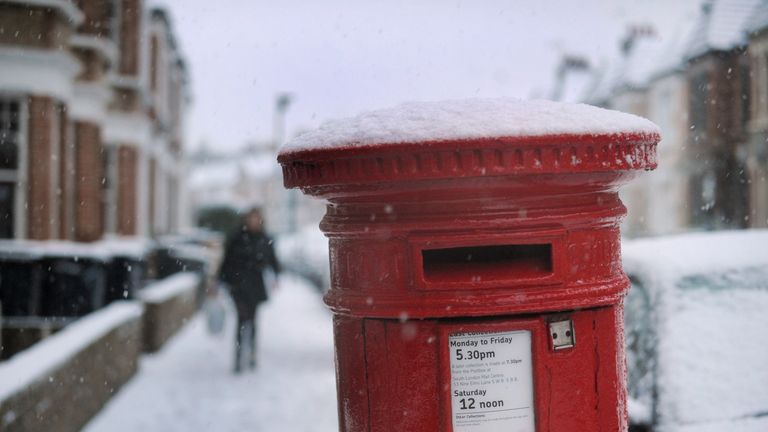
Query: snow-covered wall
x: 168, y: 304
x: 61, y: 382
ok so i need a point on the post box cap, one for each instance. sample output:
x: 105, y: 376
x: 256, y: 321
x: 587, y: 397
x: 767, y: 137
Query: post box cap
x: 508, y: 136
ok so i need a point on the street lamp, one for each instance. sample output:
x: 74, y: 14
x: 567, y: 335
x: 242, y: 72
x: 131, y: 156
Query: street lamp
x: 282, y: 103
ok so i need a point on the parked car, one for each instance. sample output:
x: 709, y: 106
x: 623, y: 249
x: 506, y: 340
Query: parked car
x: 697, y: 332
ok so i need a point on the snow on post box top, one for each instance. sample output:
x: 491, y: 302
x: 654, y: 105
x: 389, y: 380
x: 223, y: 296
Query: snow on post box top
x: 508, y: 136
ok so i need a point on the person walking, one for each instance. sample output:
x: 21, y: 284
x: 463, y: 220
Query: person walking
x: 248, y: 252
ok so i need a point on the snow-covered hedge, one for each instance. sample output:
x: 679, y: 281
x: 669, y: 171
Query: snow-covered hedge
x: 306, y: 253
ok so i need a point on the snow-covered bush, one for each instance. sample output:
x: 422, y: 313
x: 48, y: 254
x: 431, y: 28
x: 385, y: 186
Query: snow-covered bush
x: 306, y: 253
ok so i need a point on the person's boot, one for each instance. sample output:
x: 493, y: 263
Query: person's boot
x: 252, y: 348
x: 238, y: 350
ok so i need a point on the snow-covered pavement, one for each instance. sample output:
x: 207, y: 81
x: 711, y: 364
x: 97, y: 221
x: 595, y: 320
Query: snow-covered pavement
x: 189, y: 385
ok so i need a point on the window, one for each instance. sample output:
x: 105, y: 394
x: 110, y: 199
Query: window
x: 153, y: 62
x: 764, y: 82
x: 699, y: 97
x: 109, y: 188
x: 745, y: 94
x: 10, y: 137
x: 114, y: 9
x: 640, y: 343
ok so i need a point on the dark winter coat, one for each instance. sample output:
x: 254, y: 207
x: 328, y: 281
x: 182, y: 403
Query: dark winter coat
x: 246, y: 255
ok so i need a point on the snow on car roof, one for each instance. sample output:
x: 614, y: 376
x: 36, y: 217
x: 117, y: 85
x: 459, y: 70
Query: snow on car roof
x: 708, y: 294
x: 697, y: 253
x: 416, y: 122
x: 710, y: 355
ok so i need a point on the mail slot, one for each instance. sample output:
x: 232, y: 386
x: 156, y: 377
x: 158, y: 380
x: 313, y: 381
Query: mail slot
x: 475, y: 262
x: 487, y: 263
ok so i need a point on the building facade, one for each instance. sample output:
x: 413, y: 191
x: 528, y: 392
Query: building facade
x: 717, y: 71
x: 757, y: 149
x: 245, y: 178
x: 705, y: 86
x: 666, y: 189
x: 92, y: 98
x: 646, y: 78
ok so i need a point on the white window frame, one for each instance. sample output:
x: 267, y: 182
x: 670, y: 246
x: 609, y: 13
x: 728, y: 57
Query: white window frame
x: 55, y: 156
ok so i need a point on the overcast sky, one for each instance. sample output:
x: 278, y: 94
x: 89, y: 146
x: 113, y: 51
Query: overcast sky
x: 338, y: 57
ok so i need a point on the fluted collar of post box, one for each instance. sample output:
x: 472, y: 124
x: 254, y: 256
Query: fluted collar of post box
x: 468, y: 138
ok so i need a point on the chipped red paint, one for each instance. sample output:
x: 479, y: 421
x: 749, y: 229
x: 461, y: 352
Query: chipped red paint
x: 554, y: 198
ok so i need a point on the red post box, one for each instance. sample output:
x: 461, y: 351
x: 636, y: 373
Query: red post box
x: 475, y: 261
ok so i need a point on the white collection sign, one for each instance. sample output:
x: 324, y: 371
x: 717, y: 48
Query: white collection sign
x: 491, y: 382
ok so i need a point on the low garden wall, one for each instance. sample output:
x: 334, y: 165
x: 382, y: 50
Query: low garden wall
x: 168, y: 304
x: 20, y: 333
x: 60, y: 383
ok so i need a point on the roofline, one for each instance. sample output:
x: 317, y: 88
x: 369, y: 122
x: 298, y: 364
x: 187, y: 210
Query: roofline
x: 755, y: 33
x: 665, y: 73
x: 160, y: 14
x: 691, y: 58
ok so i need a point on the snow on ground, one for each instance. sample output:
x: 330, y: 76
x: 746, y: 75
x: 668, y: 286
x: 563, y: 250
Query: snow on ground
x: 467, y: 119
x: 189, y: 385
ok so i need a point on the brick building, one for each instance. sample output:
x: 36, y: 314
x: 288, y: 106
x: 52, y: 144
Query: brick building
x: 757, y: 153
x: 704, y: 84
x: 92, y: 99
x: 647, y: 77
x: 718, y: 74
